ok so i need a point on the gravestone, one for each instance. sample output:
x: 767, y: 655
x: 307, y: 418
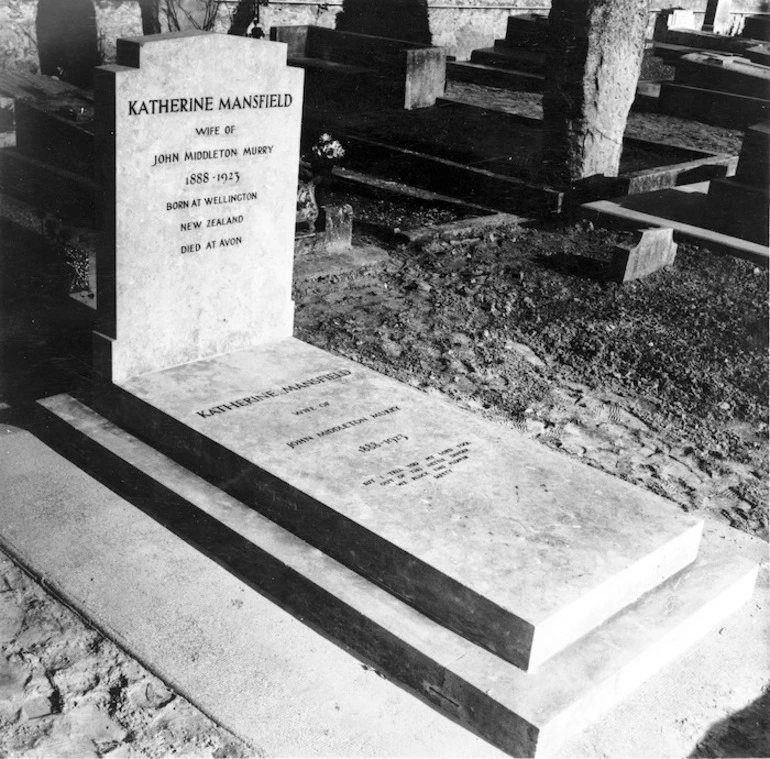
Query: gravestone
x: 67, y: 40
x: 498, y: 539
x: 654, y: 250
x: 718, y: 16
x: 740, y: 204
x: 200, y: 173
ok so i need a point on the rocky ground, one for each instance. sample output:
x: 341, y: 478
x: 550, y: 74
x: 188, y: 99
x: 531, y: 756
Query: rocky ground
x: 662, y: 382
x: 66, y: 691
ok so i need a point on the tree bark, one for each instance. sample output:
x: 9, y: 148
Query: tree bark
x: 150, y: 16
x: 591, y: 77
x: 245, y: 12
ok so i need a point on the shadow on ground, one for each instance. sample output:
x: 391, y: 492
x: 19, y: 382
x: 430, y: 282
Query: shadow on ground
x: 45, y: 336
x: 745, y: 733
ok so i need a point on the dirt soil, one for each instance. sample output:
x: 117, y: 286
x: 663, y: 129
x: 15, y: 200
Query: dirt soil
x: 663, y: 382
x: 642, y: 124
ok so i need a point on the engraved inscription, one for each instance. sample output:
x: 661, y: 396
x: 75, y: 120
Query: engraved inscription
x: 347, y: 425
x: 199, y: 158
x: 273, y: 393
x: 436, y: 466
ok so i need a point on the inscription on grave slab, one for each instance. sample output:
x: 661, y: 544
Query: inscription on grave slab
x: 518, y: 535
x: 203, y: 169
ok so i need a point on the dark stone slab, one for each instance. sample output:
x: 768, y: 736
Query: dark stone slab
x: 712, y: 107
x: 754, y: 161
x: 519, y: 59
x: 741, y: 209
x: 725, y: 73
x: 757, y: 27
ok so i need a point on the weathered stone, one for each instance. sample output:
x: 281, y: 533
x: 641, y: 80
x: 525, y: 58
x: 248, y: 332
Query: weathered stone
x: 36, y: 706
x: 654, y: 250
x: 77, y: 679
x: 525, y: 353
x: 149, y: 695
x: 13, y: 677
x: 590, y: 85
x: 11, y: 617
x: 93, y: 722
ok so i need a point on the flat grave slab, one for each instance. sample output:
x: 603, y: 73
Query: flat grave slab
x: 518, y: 548
x: 525, y: 713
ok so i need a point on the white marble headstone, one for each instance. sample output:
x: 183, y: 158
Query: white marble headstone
x: 199, y: 139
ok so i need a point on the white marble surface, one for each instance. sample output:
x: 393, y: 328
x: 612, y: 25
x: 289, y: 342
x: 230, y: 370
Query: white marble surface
x: 201, y: 159
x: 552, y: 541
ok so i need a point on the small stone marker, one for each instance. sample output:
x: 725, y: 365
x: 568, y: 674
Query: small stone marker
x: 654, y: 250
x: 201, y: 177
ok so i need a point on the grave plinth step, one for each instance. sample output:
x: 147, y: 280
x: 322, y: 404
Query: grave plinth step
x: 518, y: 548
x: 494, y: 76
x: 711, y: 106
x: 530, y: 30
x: 741, y: 209
x: 525, y: 714
x: 724, y: 73
x: 520, y: 59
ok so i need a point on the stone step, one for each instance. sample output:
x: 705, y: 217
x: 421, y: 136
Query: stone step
x: 759, y: 54
x: 741, y: 209
x: 518, y: 548
x: 757, y: 27
x: 529, y: 30
x: 494, y: 76
x: 754, y: 159
x: 519, y: 59
x: 525, y: 714
x: 699, y: 40
x: 711, y: 107
x: 724, y: 73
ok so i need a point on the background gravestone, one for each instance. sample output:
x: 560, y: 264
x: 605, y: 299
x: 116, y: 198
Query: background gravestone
x: 201, y: 178
x: 397, y: 19
x: 67, y: 40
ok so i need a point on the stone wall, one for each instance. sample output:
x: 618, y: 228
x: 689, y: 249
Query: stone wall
x: 458, y: 25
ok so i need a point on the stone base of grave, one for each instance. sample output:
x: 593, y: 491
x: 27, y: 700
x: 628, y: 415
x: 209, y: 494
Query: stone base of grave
x: 517, y: 548
x: 333, y: 232
x: 525, y: 714
x: 712, y: 107
x: 742, y: 209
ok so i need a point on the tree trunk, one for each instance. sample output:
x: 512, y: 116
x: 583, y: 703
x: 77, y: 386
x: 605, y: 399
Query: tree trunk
x: 150, y: 16
x: 245, y: 12
x: 591, y: 78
